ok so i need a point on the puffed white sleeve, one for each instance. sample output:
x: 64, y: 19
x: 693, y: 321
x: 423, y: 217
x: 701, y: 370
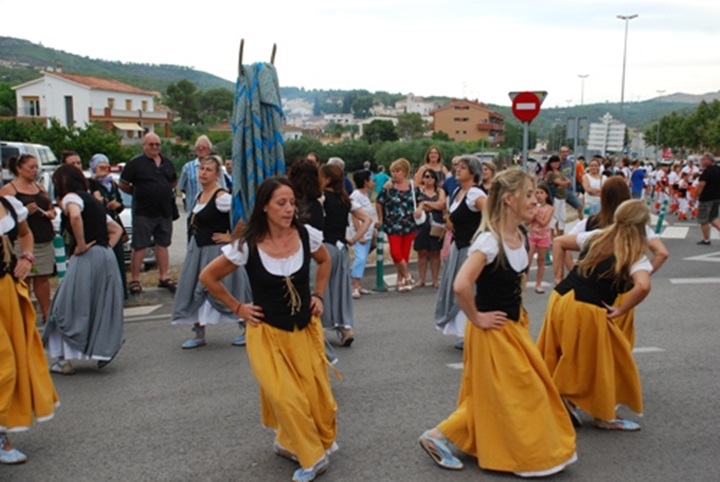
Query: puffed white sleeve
x: 72, y: 198
x: 650, y: 234
x: 643, y: 264
x: 486, y: 244
x: 579, y: 227
x: 20, y: 210
x: 315, y: 237
x: 354, y: 204
x: 473, y: 194
x: 224, y: 202
x: 234, y: 255
x: 582, y: 238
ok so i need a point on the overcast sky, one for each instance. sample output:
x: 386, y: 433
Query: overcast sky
x: 459, y: 48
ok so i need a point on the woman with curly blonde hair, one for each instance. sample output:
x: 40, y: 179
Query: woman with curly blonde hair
x: 587, y: 353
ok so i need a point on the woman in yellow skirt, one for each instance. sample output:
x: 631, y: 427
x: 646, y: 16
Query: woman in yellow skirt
x: 509, y: 414
x: 613, y: 193
x: 285, y: 343
x: 26, y: 389
x: 589, y: 356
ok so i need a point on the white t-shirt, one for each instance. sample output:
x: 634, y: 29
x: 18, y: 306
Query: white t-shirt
x: 643, y: 264
x: 487, y: 244
x: 8, y: 223
x: 358, y: 198
x: 581, y: 227
x: 471, y: 197
x: 278, y: 267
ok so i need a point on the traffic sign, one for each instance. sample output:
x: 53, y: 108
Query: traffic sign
x: 526, y: 105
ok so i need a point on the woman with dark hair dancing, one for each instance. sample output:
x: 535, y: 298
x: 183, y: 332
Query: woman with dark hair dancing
x: 284, y: 333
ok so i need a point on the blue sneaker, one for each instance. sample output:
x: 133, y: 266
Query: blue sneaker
x: 193, y: 343
x: 307, y: 475
x: 239, y: 341
x: 12, y: 456
x: 439, y: 452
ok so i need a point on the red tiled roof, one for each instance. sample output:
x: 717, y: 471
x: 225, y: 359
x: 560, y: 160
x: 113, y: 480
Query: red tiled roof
x: 103, y: 84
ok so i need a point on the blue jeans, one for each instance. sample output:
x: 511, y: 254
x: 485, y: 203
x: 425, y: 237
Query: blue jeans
x: 361, y: 255
x: 573, y: 200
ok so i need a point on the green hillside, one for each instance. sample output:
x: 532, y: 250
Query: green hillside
x: 21, y: 60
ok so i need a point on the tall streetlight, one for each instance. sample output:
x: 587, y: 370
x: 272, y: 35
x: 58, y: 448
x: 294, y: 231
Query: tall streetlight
x: 582, y: 87
x: 627, y: 19
x: 657, y: 138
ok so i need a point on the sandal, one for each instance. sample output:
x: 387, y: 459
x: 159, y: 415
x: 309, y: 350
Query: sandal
x: 617, y: 424
x: 134, y: 288
x: 169, y: 284
x: 539, y: 290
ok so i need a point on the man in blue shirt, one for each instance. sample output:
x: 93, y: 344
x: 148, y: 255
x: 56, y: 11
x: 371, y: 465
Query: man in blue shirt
x: 567, y: 166
x: 637, y: 180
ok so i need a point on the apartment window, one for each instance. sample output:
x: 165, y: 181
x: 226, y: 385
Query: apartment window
x: 128, y: 104
x: 31, y: 106
x: 111, y: 103
x: 144, y: 105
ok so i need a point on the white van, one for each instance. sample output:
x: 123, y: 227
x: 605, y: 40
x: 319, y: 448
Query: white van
x: 45, y: 156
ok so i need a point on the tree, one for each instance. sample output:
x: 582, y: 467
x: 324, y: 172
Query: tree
x: 514, y: 137
x: 557, y: 137
x: 334, y: 129
x: 316, y: 106
x: 183, y: 99
x: 216, y: 104
x: 441, y: 136
x: 379, y: 130
x: 362, y: 105
x: 8, y: 105
x: 411, y: 126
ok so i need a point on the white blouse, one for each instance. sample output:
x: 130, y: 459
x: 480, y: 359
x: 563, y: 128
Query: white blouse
x: 276, y: 266
x: 643, y: 264
x: 8, y: 223
x: 581, y: 227
x: 223, y: 203
x: 473, y: 194
x: 73, y: 198
x: 487, y: 244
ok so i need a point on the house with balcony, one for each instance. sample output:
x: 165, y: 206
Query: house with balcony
x: 78, y: 100
x: 469, y: 120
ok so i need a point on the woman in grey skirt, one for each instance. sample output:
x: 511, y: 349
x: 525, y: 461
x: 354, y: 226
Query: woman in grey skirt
x: 465, y: 213
x: 338, y: 314
x: 209, y: 230
x: 86, y: 314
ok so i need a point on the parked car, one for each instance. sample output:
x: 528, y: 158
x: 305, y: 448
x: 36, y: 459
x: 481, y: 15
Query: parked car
x: 45, y: 156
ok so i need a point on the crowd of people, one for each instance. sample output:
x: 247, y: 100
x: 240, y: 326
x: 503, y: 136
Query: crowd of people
x: 288, y: 278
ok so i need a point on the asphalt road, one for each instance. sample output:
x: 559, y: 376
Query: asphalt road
x: 161, y: 413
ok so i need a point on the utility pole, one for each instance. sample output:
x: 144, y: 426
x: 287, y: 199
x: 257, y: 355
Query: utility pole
x: 582, y: 87
x: 627, y: 19
x: 657, y: 137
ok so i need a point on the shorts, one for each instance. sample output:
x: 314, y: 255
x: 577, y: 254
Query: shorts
x: 541, y: 242
x: 148, y: 231
x: 573, y: 200
x: 708, y: 211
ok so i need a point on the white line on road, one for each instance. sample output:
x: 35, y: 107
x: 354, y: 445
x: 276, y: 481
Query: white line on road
x: 694, y: 281
x: 647, y: 349
x: 455, y: 366
x: 140, y: 310
x: 166, y: 316
x: 673, y: 232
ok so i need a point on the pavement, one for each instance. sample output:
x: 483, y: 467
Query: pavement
x: 159, y: 413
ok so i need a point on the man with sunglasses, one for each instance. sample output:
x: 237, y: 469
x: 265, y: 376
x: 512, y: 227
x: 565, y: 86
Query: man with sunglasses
x: 150, y: 178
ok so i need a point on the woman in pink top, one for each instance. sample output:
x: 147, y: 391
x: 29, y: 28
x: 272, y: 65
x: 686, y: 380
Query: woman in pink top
x: 540, y: 235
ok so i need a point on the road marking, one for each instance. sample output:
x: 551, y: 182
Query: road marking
x: 647, y: 349
x: 165, y: 316
x: 139, y: 310
x: 712, y: 257
x: 673, y: 232
x: 694, y: 281
x: 455, y: 366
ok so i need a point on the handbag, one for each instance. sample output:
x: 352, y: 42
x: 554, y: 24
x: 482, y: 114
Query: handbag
x: 437, y: 230
x: 423, y: 216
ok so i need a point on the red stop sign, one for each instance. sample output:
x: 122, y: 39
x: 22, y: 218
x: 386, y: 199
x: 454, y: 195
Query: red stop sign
x: 526, y: 106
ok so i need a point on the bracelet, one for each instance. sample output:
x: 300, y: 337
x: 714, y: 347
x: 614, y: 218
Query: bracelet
x: 28, y: 257
x: 237, y: 308
x: 317, y: 295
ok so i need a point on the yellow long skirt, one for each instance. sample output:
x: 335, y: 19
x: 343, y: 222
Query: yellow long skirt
x: 626, y: 322
x: 26, y: 388
x: 296, y: 398
x: 589, y: 357
x: 509, y: 414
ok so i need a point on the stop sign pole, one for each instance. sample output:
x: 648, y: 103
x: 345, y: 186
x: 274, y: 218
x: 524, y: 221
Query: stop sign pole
x: 525, y: 107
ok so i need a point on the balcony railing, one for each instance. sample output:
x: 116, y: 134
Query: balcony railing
x: 108, y: 114
x: 490, y: 126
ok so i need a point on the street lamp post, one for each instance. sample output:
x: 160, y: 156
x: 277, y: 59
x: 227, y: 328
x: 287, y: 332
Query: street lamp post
x: 582, y: 87
x: 657, y: 137
x: 627, y: 19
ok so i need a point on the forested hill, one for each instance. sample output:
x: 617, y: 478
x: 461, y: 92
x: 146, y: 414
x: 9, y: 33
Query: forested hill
x: 21, y: 60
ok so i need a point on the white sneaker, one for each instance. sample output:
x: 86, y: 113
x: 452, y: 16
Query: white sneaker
x: 63, y: 367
